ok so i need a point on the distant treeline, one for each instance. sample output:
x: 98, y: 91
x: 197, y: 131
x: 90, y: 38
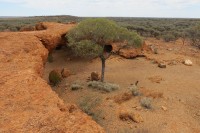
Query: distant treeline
x: 169, y: 29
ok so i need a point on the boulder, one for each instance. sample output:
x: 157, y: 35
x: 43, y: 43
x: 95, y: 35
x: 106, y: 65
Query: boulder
x: 130, y: 53
x: 65, y: 72
x: 126, y: 115
x: 188, y: 62
x: 162, y: 65
x: 95, y: 76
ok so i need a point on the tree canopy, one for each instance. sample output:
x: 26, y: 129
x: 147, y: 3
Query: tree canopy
x: 92, y: 38
x: 91, y: 35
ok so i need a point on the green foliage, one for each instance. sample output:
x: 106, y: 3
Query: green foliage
x: 194, y: 35
x: 55, y: 77
x: 91, y: 35
x: 50, y: 58
x: 15, y: 23
x: 169, y: 37
x: 107, y: 87
x: 87, y: 48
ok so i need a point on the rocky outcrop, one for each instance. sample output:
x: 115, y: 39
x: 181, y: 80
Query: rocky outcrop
x: 27, y: 103
x: 51, y: 34
x: 130, y: 53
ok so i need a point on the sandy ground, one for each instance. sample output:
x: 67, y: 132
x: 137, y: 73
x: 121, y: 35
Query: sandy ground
x: 180, y: 86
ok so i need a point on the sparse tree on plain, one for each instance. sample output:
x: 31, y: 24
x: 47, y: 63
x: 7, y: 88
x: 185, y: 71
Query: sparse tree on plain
x: 93, y: 38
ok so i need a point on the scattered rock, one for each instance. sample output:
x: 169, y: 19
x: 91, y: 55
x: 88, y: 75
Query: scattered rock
x: 162, y: 65
x: 171, y: 63
x: 164, y: 108
x: 65, y: 72
x: 154, y: 49
x: 188, y: 62
x: 95, y: 76
x: 122, y: 98
x: 128, y: 115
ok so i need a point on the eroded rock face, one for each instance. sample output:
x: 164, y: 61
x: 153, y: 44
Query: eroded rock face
x: 130, y: 53
x: 27, y: 103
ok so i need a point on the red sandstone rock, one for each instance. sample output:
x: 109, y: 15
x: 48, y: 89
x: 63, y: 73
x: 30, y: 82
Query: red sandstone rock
x: 27, y: 103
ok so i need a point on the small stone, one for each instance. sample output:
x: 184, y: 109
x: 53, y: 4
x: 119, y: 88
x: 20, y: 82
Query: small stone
x: 65, y: 72
x: 188, y: 62
x: 95, y: 76
x: 162, y: 65
x: 169, y: 49
x: 137, y: 118
x: 164, y: 108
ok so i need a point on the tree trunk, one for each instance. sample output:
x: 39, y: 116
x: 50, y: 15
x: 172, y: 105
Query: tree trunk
x: 103, y: 61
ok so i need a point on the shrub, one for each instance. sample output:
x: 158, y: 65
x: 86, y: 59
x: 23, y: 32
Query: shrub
x: 55, y: 77
x: 108, y: 87
x: 76, y: 86
x: 146, y: 102
x: 194, y: 35
x: 169, y: 37
x: 89, y: 105
x: 92, y: 36
x: 50, y: 58
x: 134, y: 90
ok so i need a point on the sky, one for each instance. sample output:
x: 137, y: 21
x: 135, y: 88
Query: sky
x: 102, y: 8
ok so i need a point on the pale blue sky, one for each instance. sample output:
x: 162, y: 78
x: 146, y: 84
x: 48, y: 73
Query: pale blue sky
x: 103, y: 8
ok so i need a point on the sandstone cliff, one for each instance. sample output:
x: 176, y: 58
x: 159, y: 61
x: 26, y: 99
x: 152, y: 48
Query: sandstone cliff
x: 27, y: 103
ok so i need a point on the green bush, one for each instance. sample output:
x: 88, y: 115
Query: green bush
x: 169, y: 37
x: 55, y: 77
x: 194, y: 35
x: 91, y: 35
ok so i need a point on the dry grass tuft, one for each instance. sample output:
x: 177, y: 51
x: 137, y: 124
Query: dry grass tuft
x: 107, y: 87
